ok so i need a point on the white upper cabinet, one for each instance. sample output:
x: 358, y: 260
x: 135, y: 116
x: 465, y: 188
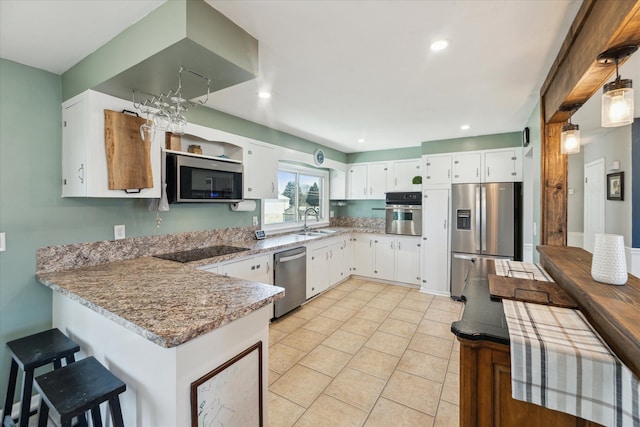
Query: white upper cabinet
x: 84, y: 158
x: 260, y: 172
x: 377, y: 180
x: 436, y: 170
x: 403, y: 173
x: 337, y: 184
x: 357, y: 182
x: 504, y: 165
x: 466, y: 167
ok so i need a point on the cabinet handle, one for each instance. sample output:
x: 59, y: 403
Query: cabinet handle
x: 399, y: 248
x: 364, y: 191
x: 81, y: 173
x: 391, y: 245
x: 445, y: 224
x: 370, y: 190
x: 488, y: 171
x: 448, y: 173
x: 273, y: 187
x: 330, y: 254
x: 477, y: 172
x: 369, y: 243
x: 327, y: 256
x: 268, y: 267
x: 395, y: 182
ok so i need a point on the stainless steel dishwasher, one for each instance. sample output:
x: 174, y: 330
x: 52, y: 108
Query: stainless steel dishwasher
x: 290, y: 272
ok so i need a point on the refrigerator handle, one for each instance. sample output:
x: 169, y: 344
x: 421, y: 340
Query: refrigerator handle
x: 477, y: 218
x: 483, y: 218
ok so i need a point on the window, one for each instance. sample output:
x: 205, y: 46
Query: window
x: 300, y: 191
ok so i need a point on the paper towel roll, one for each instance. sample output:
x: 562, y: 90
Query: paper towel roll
x: 244, y: 206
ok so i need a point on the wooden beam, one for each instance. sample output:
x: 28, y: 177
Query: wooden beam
x: 554, y: 188
x: 576, y: 74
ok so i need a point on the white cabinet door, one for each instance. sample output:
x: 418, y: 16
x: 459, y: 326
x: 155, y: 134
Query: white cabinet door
x: 384, y: 257
x: 362, y: 255
x: 257, y: 269
x: 337, y: 263
x: 403, y: 173
x: 436, y: 170
x: 435, y: 248
x: 408, y: 259
x: 337, y: 185
x: 503, y: 165
x: 260, y: 172
x: 357, y: 182
x: 318, y: 274
x: 377, y: 175
x: 466, y: 168
x: 84, y: 159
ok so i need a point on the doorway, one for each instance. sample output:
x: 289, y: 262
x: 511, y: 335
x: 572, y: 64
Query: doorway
x: 594, y: 180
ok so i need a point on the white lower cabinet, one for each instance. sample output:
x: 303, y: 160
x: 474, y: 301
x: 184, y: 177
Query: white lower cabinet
x: 435, y: 238
x: 362, y: 254
x: 384, y: 257
x: 326, y: 265
x: 256, y: 269
x: 408, y: 259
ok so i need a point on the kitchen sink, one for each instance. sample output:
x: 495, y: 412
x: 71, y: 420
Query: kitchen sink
x: 321, y: 232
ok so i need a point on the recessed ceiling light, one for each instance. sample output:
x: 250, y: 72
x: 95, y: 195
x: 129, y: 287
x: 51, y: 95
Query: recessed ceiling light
x: 264, y: 95
x: 439, y: 45
x: 465, y: 127
x: 361, y: 141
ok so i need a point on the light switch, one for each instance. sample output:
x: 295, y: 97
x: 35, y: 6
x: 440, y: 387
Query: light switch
x: 3, y: 243
x: 119, y: 232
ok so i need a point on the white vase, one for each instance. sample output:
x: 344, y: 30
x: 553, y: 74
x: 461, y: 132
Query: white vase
x: 609, y: 264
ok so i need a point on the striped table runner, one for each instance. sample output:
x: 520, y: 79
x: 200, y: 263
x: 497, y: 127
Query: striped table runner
x: 560, y: 362
x: 521, y: 270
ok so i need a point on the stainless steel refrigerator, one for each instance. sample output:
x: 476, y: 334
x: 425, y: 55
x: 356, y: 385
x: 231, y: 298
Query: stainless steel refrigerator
x: 486, y: 225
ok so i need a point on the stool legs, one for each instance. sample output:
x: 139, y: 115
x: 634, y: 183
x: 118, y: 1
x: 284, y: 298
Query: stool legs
x: 11, y: 388
x: 25, y: 406
x: 116, y: 412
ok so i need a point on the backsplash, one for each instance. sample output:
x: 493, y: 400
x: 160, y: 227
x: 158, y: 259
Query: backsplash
x: 57, y: 258
x: 357, y: 222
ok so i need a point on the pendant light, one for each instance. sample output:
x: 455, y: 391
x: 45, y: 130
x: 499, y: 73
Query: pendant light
x: 570, y: 136
x: 617, y: 96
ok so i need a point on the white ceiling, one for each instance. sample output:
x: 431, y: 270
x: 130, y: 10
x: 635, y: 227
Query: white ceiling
x: 343, y: 70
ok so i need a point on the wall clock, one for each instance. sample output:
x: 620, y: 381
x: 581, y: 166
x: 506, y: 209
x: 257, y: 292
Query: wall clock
x: 318, y: 156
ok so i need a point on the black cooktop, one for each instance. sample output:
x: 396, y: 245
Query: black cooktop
x: 201, y: 253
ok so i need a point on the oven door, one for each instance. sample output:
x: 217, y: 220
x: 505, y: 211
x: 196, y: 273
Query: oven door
x: 403, y: 219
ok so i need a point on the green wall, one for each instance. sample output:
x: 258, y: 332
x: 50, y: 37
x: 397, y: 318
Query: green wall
x: 384, y: 155
x: 482, y: 142
x: 33, y: 215
x: 360, y: 208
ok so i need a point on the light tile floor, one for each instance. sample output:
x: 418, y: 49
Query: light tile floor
x: 366, y: 353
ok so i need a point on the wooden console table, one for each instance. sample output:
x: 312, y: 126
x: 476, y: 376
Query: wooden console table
x: 613, y: 311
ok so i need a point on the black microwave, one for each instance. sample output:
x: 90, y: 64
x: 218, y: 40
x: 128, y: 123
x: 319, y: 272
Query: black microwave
x: 197, y: 179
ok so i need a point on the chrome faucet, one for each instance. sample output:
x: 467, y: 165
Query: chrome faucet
x: 306, y: 213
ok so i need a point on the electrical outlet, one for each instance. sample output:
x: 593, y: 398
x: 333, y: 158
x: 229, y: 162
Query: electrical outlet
x: 3, y: 243
x: 255, y: 220
x: 119, y: 232
x: 332, y: 214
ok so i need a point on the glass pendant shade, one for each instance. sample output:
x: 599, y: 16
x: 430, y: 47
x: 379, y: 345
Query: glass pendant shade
x: 570, y: 139
x: 617, y: 103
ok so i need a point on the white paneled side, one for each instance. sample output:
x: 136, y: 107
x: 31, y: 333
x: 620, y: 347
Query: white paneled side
x: 633, y: 260
x: 575, y: 238
x: 527, y: 252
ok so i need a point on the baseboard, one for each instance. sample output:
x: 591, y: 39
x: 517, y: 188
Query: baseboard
x: 437, y: 293
x: 15, y: 409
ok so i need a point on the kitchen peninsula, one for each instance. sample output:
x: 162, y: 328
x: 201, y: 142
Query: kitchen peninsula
x: 159, y: 326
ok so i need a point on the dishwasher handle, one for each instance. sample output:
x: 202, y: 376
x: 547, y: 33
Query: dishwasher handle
x: 292, y: 257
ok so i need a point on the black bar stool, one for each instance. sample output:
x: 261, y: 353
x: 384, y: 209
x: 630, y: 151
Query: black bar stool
x: 30, y: 353
x: 77, y: 388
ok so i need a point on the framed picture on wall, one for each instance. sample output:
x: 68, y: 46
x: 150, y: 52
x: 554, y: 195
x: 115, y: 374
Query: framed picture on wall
x: 615, y: 186
x: 231, y: 394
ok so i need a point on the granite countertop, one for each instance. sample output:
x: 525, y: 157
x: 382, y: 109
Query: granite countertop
x: 167, y: 302
x: 483, y: 317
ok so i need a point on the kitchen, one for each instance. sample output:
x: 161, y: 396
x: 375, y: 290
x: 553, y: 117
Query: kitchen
x: 45, y: 219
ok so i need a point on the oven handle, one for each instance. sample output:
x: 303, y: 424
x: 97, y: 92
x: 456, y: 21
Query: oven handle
x: 414, y: 207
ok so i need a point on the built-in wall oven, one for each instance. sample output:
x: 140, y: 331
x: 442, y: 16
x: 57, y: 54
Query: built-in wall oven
x: 403, y: 213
